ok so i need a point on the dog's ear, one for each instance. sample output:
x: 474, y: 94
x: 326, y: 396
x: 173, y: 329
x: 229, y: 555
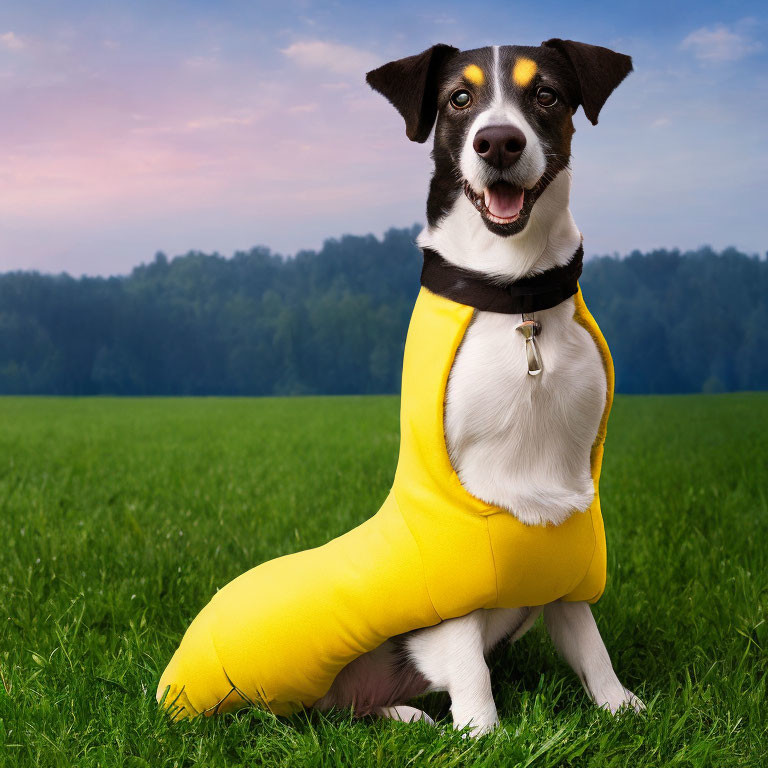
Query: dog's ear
x: 411, y: 85
x: 598, y: 71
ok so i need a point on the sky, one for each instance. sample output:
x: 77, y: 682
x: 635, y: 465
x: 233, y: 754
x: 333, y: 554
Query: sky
x: 129, y: 128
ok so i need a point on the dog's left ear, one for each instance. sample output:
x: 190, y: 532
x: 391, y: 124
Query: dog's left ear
x: 599, y: 71
x: 411, y: 85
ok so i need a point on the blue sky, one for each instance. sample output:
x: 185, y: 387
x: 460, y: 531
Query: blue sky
x: 134, y: 127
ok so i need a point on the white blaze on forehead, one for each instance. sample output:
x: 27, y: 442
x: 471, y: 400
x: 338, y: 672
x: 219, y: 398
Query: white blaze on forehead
x: 496, y: 79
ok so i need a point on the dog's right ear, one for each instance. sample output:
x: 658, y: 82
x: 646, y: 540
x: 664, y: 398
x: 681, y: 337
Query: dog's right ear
x: 599, y: 71
x: 411, y: 85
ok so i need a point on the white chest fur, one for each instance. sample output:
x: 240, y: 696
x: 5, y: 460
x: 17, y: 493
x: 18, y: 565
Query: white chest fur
x: 523, y: 442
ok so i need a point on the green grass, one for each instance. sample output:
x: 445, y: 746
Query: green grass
x: 120, y: 518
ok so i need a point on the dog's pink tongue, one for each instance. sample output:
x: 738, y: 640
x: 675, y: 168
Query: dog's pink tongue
x: 504, y: 200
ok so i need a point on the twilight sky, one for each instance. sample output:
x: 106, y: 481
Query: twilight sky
x: 132, y: 127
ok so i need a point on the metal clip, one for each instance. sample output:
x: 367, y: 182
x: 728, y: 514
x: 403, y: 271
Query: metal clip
x: 530, y: 329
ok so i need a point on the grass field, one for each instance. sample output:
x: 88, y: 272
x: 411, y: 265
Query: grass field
x: 121, y: 517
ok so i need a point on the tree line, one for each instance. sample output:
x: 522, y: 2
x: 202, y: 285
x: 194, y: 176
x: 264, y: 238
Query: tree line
x: 333, y: 321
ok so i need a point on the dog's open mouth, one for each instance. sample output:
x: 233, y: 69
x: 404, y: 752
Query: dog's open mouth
x: 500, y: 203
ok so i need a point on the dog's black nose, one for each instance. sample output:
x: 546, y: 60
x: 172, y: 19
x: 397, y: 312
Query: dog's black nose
x: 499, y: 145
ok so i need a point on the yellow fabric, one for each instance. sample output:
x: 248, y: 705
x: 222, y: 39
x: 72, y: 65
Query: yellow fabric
x: 278, y: 635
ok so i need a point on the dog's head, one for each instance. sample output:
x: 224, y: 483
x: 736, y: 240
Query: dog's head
x: 503, y: 117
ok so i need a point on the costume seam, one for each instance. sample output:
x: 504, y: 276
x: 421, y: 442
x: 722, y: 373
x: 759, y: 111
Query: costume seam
x: 493, y: 559
x: 584, y: 318
x: 421, y: 556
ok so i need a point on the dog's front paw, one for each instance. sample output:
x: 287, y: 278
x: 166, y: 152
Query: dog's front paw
x: 476, y: 725
x: 619, y: 700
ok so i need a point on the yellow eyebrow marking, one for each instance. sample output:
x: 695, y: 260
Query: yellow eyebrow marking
x: 474, y: 74
x: 524, y: 71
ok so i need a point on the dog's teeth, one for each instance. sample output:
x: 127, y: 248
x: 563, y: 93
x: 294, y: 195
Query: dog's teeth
x: 478, y: 203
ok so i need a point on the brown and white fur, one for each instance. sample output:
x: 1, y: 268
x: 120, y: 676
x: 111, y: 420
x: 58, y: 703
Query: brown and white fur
x: 517, y: 441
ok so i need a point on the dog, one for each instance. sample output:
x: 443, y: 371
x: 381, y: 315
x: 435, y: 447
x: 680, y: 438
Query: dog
x: 498, y: 205
x: 493, y: 517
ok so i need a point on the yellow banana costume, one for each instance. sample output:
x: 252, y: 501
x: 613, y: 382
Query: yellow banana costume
x: 278, y: 635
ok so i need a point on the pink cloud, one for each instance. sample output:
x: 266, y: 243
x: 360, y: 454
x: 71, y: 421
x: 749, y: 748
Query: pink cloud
x: 323, y: 56
x: 11, y: 41
x: 213, y: 158
x: 719, y: 43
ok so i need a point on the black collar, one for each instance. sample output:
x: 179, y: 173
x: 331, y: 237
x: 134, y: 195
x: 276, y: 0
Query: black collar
x: 531, y: 294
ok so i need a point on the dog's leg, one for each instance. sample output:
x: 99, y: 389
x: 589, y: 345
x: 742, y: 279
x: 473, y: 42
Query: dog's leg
x: 575, y: 635
x: 451, y: 657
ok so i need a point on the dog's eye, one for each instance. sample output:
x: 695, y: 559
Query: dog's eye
x: 547, y: 97
x: 461, y: 99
